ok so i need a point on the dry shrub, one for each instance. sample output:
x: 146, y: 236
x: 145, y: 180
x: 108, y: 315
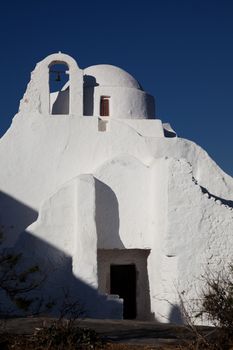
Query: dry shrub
x: 216, y: 306
x: 61, y: 335
x: 66, y: 335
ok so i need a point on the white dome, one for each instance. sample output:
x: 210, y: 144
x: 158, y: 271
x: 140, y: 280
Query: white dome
x: 108, y: 75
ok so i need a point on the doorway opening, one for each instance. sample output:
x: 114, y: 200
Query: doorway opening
x: 123, y: 283
x: 119, y: 268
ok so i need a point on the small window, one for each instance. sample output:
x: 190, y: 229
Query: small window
x: 104, y: 106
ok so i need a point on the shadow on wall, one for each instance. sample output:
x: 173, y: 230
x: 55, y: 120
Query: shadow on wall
x: 88, y: 94
x: 176, y: 315
x: 168, y: 133
x: 61, y: 104
x: 107, y: 217
x: 60, y: 280
x: 15, y: 217
x: 223, y: 201
x: 54, y: 264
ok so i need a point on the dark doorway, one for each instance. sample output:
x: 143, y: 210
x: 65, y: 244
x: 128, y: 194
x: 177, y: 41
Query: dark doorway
x: 123, y: 283
x: 104, y: 106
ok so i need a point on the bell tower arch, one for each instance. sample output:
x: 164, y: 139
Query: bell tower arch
x: 37, y: 96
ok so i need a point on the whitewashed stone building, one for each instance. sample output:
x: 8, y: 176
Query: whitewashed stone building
x: 99, y: 190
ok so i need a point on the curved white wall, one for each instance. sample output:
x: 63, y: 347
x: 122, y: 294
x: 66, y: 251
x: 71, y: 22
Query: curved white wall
x: 124, y: 103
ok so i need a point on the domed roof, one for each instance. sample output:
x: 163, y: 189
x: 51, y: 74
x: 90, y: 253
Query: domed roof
x: 108, y: 75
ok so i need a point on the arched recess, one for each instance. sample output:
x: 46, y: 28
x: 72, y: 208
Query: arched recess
x: 75, y: 83
x: 59, y: 96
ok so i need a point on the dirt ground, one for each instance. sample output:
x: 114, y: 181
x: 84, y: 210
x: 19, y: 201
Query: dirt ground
x: 119, y: 334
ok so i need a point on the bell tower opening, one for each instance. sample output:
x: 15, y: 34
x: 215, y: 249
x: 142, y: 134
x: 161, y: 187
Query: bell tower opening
x: 59, y: 98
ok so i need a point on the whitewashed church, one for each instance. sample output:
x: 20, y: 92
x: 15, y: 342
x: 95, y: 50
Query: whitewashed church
x: 122, y: 212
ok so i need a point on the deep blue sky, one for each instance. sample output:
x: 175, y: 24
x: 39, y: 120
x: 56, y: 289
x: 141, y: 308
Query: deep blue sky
x: 181, y: 51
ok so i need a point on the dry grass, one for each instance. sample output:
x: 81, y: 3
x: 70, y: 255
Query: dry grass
x: 141, y: 347
x: 22, y: 342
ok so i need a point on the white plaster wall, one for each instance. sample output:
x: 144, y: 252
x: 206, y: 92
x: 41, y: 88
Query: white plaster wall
x: 156, y: 260
x: 205, y: 170
x: 57, y: 220
x: 192, y: 232
x: 199, y: 231
x: 85, y: 243
x: 124, y: 198
x: 41, y: 153
x: 207, y: 219
x: 148, y: 128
